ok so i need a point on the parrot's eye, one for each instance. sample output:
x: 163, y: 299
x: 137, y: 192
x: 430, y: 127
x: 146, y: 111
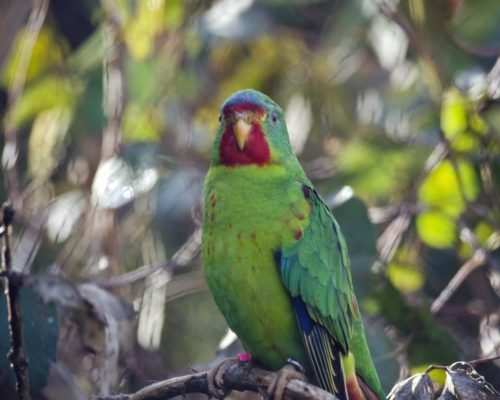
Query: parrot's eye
x: 274, y: 117
x: 220, y: 117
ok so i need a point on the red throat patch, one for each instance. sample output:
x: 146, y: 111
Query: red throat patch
x: 256, y: 150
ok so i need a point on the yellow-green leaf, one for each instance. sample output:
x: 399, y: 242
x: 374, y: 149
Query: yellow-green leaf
x: 478, y: 124
x: 483, y: 232
x: 438, y: 377
x: 370, y: 306
x: 460, y: 123
x: 406, y: 278
x: 448, y: 191
x: 454, y: 113
x: 142, y: 123
x: 418, y: 369
x: 142, y: 30
x: 49, y: 51
x: 174, y: 12
x: 46, y: 142
x: 436, y: 229
x: 44, y: 94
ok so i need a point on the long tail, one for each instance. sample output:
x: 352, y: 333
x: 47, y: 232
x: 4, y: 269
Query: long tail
x: 357, y: 388
x: 369, y: 394
x: 324, y: 353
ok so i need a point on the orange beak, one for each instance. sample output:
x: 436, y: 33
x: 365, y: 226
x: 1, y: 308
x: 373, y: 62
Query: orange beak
x: 241, y: 129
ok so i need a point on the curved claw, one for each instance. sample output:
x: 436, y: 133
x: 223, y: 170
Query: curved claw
x: 292, y: 370
x: 215, y: 376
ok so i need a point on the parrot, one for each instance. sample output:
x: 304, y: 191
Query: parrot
x: 274, y: 257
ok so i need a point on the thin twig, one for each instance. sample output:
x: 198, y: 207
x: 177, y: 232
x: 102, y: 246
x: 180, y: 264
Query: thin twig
x: 131, y: 277
x: 474, y: 49
x: 481, y: 256
x: 493, y: 80
x: 420, y: 47
x: 106, y: 220
x: 389, y: 241
x: 468, y: 236
x: 13, y: 283
x: 487, y: 177
x: 478, y: 259
x: 114, y: 86
x: 237, y: 377
x: 182, y: 257
x: 480, y: 361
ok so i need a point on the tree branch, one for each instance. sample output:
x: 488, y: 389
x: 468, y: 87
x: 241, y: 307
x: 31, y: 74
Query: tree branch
x: 237, y: 377
x: 13, y: 283
x: 181, y: 258
x: 477, y: 260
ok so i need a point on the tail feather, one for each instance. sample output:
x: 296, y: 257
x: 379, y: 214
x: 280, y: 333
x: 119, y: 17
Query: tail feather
x: 357, y: 388
x: 324, y: 353
x: 369, y: 394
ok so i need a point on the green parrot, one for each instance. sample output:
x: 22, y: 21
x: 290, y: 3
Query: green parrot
x: 275, y: 259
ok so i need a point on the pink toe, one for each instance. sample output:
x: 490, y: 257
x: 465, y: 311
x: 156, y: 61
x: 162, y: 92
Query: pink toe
x: 244, y: 357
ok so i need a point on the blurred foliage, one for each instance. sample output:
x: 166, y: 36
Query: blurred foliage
x: 392, y: 108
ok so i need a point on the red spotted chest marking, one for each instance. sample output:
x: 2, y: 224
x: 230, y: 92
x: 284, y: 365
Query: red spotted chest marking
x: 211, y: 209
x: 212, y: 200
x: 256, y: 149
x: 355, y: 308
x: 209, y: 249
x: 300, y: 216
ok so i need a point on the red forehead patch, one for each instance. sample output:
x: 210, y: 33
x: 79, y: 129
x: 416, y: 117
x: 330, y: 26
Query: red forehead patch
x: 241, y: 107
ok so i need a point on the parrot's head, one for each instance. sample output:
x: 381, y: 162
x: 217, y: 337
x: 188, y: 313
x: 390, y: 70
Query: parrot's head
x: 252, y: 130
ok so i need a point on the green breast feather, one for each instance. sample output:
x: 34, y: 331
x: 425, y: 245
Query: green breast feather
x: 239, y: 242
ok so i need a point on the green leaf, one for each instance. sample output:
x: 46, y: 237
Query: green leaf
x: 460, y: 123
x: 142, y: 30
x: 436, y: 229
x: 142, y: 78
x: 445, y: 191
x: 454, y: 113
x: 376, y: 169
x: 48, y: 52
x: 174, y: 13
x: 142, y: 123
x: 483, y: 232
x: 405, y: 278
x: 46, y: 140
x: 44, y: 94
x: 88, y: 56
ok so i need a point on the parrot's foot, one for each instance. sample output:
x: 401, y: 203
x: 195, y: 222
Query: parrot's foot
x: 215, y: 376
x: 292, y: 370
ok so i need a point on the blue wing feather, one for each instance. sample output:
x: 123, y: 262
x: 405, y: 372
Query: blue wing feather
x: 324, y: 353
